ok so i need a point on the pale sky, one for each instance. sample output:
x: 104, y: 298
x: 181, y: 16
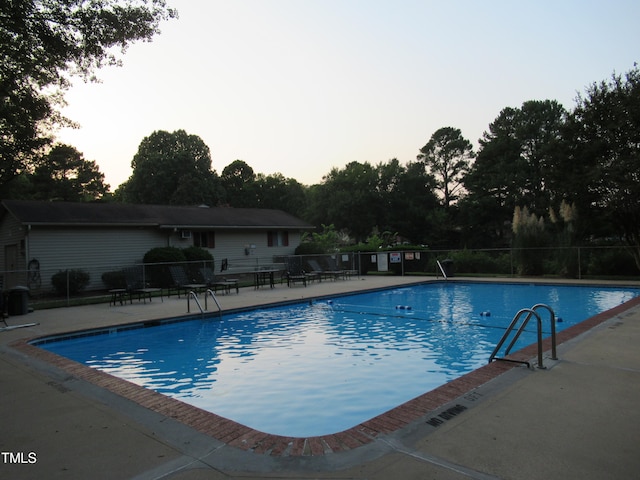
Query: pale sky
x: 301, y: 86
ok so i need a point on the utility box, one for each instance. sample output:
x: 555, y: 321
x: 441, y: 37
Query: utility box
x: 18, y: 302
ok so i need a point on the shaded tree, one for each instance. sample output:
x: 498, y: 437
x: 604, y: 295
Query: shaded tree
x: 238, y: 182
x: 276, y: 191
x: 515, y: 166
x: 171, y: 168
x: 605, y: 127
x: 447, y: 155
x: 348, y: 199
x: 43, y: 44
x: 409, y: 199
x: 362, y: 199
x: 64, y: 174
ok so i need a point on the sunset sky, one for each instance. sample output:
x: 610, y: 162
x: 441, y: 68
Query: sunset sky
x: 301, y: 86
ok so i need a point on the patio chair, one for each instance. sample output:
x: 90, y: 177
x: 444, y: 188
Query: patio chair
x: 295, y: 273
x: 333, y: 266
x: 181, y: 281
x: 322, y: 273
x: 136, y: 285
x: 226, y: 284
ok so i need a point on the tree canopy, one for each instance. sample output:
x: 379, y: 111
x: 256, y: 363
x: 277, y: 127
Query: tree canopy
x: 362, y: 199
x: 43, y: 44
x: 516, y: 165
x: 447, y: 156
x: 170, y: 168
x: 237, y: 180
x: 605, y: 128
x: 66, y: 175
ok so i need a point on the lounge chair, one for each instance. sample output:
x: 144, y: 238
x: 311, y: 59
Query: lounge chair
x: 322, y: 273
x: 136, y: 285
x: 295, y: 273
x: 333, y: 266
x: 181, y: 281
x: 226, y: 284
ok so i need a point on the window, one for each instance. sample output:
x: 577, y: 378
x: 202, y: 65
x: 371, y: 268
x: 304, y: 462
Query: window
x: 278, y: 238
x: 204, y: 239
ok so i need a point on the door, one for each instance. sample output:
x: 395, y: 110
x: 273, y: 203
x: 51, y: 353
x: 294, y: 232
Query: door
x: 10, y: 266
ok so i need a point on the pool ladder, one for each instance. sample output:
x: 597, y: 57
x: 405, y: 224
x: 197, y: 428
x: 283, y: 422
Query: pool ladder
x: 528, y: 313
x: 208, y: 293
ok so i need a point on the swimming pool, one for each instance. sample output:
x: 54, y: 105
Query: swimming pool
x: 321, y: 367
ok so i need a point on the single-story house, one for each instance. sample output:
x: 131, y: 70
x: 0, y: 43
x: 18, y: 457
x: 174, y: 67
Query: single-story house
x: 41, y: 238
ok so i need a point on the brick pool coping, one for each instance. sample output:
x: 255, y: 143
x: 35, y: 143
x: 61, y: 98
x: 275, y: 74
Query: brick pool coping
x: 245, y: 438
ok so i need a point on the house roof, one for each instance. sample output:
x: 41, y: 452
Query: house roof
x: 119, y: 214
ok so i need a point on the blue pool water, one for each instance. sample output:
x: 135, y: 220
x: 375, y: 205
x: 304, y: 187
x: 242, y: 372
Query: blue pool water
x: 322, y: 367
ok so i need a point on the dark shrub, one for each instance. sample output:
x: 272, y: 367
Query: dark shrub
x: 193, y: 254
x: 159, y: 275
x: 114, y: 280
x: 467, y: 261
x: 309, y: 248
x: 200, y: 255
x: 614, y: 261
x: 77, y: 281
x: 164, y: 255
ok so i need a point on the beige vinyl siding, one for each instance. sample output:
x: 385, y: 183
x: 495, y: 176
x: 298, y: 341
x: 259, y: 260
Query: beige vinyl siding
x: 96, y: 250
x: 232, y: 245
x: 12, y: 253
x: 11, y: 233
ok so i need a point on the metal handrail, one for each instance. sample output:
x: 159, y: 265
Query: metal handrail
x: 553, y: 330
x: 195, y: 297
x: 441, y: 269
x: 208, y: 293
x: 530, y: 312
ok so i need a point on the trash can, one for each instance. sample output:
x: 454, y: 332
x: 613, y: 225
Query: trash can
x: 447, y: 266
x: 18, y: 302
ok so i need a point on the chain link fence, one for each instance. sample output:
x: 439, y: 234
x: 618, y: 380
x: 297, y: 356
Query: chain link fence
x: 93, y: 283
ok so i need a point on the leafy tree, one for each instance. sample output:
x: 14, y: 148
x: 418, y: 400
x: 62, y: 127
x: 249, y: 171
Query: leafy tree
x: 361, y: 199
x: 326, y: 241
x: 516, y: 165
x: 170, y: 168
x: 348, y: 198
x: 64, y: 174
x: 409, y: 200
x: 43, y: 44
x: 238, y: 182
x: 447, y: 156
x: 606, y: 136
x: 276, y: 191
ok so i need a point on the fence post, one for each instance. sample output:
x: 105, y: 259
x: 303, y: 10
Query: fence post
x: 68, y: 293
x: 579, y: 266
x: 511, y: 260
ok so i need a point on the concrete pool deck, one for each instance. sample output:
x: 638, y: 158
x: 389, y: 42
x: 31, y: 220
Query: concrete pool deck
x: 579, y: 418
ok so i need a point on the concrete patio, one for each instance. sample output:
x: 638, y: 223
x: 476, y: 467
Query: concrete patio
x: 579, y: 418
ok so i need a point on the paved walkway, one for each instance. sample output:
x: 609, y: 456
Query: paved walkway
x: 579, y: 418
